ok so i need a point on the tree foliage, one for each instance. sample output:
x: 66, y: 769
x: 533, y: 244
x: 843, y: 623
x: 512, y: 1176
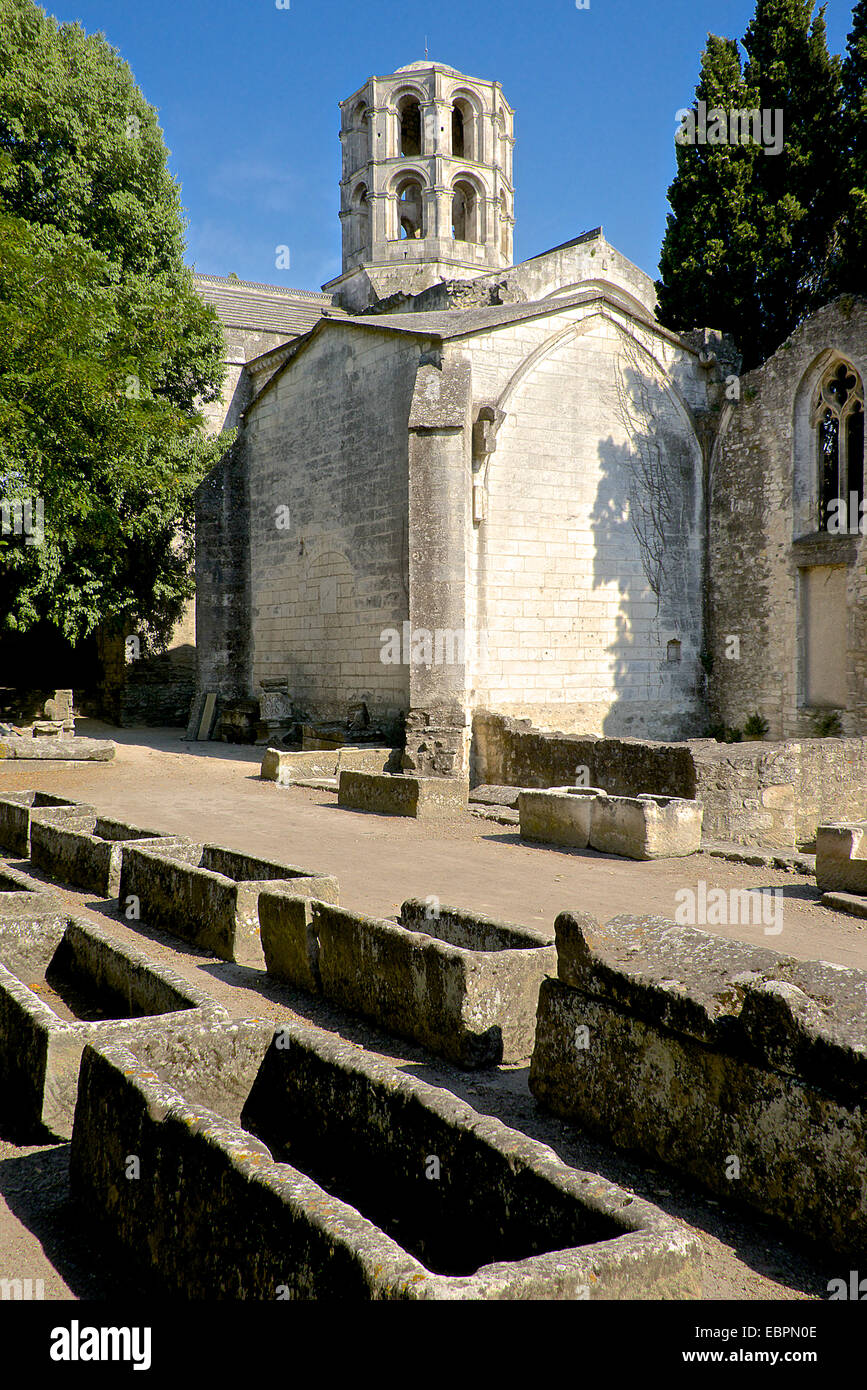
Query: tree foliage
x: 852, y: 268
x: 749, y: 245
x: 105, y: 347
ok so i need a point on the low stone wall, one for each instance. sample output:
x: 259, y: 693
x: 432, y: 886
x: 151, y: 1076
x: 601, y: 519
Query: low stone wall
x: 511, y: 752
x: 388, y: 794
x: 16, y: 809
x: 642, y: 827
x: 86, y: 850
x: 741, y: 1067
x: 463, y: 986
x: 209, y: 895
x: 40, y: 1050
x: 371, y: 1181
x: 772, y: 794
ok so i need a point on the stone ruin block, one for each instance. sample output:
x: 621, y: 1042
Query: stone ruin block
x: 64, y: 983
x: 462, y: 985
x: 286, y: 768
x: 841, y: 858
x: 24, y: 905
x: 73, y: 749
x: 741, y: 1067
x: 209, y: 896
x: 558, y: 816
x: 16, y: 809
x: 398, y: 794
x: 634, y: 827
x: 85, y: 849
x: 290, y: 1164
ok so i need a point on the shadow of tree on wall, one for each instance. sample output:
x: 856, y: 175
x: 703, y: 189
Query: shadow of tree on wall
x: 646, y: 526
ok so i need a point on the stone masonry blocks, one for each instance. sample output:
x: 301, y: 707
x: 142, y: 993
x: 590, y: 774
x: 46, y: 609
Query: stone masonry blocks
x: 389, y: 794
x: 463, y: 986
x: 337, y: 1206
x: 723, y: 1060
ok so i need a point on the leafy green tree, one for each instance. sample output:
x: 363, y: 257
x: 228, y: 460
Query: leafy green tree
x: 852, y: 271
x: 105, y: 347
x: 748, y: 246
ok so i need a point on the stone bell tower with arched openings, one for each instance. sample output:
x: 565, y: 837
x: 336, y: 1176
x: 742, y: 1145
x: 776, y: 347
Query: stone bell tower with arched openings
x: 426, y: 193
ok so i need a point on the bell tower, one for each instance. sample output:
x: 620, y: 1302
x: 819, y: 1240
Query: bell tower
x: 426, y: 192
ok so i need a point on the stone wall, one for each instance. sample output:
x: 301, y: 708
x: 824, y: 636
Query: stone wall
x: 512, y: 753
x: 772, y: 794
x: 327, y: 443
x: 587, y: 567
x: 766, y: 553
x: 222, y: 578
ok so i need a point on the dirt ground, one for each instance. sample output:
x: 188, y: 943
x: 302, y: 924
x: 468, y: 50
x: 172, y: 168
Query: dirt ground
x: 213, y: 793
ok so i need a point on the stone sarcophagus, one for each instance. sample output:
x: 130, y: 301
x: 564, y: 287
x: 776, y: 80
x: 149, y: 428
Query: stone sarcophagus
x: 209, y: 895
x: 64, y: 983
x: 635, y: 827
x: 292, y: 1165
x: 85, y: 849
x: 841, y: 858
x: 742, y: 1067
x: 16, y: 810
x: 459, y: 984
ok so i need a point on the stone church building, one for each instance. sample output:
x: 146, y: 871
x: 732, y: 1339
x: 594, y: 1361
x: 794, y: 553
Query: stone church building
x: 470, y: 485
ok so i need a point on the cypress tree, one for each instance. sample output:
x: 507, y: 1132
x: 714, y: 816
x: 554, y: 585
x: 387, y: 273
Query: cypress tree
x: 851, y: 277
x: 798, y: 193
x: 710, y: 243
x: 749, y: 244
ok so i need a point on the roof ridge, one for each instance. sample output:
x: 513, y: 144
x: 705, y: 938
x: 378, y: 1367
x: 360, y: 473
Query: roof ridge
x: 314, y: 295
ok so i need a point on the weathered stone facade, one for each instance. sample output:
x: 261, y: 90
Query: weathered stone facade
x: 789, y: 590
x: 483, y: 487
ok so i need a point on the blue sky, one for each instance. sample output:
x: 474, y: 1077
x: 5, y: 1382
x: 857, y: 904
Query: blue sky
x: 248, y: 94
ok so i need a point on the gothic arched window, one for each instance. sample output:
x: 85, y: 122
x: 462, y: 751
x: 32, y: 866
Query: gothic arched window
x: 838, y: 419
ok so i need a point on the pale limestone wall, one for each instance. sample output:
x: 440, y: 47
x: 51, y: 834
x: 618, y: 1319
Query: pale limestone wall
x: 764, y: 546
x: 328, y: 440
x: 242, y: 346
x: 555, y: 576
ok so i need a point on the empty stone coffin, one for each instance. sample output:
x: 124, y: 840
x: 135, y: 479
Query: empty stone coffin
x: 742, y: 1067
x: 209, y: 896
x: 16, y: 809
x: 85, y: 849
x: 558, y: 816
x: 461, y: 985
x: 635, y: 827
x: 64, y: 983
x: 284, y: 768
x: 398, y: 794
x: 24, y: 901
x: 293, y: 1165
x: 841, y: 858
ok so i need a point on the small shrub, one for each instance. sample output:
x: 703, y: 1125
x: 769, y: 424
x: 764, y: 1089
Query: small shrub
x: 756, y: 726
x: 827, y: 724
x: 723, y: 734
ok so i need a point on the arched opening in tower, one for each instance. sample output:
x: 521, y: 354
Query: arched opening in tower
x: 410, y: 127
x: 409, y: 211
x: 458, y: 142
x: 465, y: 213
